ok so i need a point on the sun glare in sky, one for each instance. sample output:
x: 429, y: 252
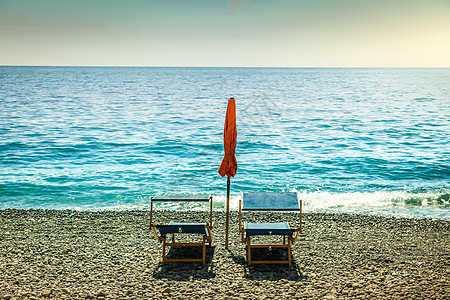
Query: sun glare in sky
x: 254, y: 33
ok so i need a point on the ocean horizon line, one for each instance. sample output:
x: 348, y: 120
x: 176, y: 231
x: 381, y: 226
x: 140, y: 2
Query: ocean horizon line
x: 228, y: 67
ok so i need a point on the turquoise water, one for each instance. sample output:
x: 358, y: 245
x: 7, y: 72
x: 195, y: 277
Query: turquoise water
x: 352, y: 140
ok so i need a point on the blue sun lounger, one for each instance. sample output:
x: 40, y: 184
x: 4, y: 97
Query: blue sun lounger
x: 269, y: 202
x: 161, y: 231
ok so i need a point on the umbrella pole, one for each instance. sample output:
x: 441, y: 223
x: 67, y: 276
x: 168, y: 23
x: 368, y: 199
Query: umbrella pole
x: 227, y: 212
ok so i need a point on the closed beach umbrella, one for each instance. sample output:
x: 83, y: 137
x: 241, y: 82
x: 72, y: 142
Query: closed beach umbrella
x: 228, y: 166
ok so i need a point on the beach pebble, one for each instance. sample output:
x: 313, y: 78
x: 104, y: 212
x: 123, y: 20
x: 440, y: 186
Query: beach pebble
x: 46, y: 293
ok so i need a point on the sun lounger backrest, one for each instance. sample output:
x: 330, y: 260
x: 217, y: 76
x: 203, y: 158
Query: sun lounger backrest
x: 182, y: 198
x: 270, y: 201
x: 188, y: 198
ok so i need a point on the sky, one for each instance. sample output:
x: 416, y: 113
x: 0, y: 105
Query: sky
x: 229, y: 33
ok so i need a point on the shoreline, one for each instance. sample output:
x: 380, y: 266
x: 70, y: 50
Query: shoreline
x: 113, y: 255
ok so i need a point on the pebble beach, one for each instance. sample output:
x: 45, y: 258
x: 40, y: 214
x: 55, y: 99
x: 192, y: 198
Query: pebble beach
x: 70, y: 254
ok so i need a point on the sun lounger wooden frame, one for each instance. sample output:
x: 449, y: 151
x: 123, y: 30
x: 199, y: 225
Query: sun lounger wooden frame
x: 291, y: 234
x: 182, y: 228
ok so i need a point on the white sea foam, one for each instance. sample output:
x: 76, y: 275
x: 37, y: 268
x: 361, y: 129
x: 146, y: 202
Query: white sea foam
x: 314, y: 201
x: 429, y: 204
x: 318, y: 201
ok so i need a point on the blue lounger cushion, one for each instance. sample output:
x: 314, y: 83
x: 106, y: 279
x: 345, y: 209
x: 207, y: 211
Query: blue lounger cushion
x: 268, y: 229
x: 183, y: 228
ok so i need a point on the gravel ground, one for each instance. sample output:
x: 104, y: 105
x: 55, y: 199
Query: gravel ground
x: 107, y: 255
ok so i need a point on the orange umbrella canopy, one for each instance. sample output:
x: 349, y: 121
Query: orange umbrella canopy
x: 228, y: 166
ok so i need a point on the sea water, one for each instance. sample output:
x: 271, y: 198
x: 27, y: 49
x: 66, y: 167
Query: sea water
x: 369, y: 140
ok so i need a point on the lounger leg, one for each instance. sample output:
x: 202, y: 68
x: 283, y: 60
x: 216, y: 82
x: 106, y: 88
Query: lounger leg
x: 173, y: 237
x: 204, y: 250
x: 164, y: 250
x: 289, y: 252
x: 249, y: 251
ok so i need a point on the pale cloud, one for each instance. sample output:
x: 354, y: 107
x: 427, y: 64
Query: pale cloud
x: 92, y: 27
x: 84, y: 27
x: 25, y: 27
x: 237, y: 4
